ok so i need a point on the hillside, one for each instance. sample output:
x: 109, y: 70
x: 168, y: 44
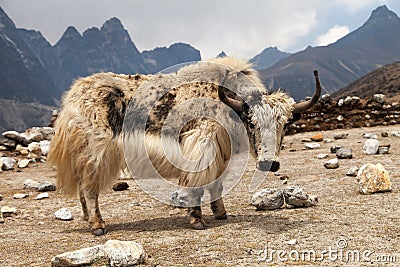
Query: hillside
x: 384, y: 80
x: 35, y: 71
x: 19, y: 116
x: 375, y: 44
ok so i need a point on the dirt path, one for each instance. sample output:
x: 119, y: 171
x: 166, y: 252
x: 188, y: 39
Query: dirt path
x: 367, y: 224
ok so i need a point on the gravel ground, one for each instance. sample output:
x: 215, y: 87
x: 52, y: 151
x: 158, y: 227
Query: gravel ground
x: 343, y: 223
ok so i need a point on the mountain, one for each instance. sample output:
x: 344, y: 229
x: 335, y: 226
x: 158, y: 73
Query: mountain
x: 268, y: 57
x: 221, y: 54
x: 22, y: 75
x: 162, y: 57
x: 39, y: 72
x: 18, y: 116
x: 34, y: 71
x: 375, y: 44
x: 384, y: 80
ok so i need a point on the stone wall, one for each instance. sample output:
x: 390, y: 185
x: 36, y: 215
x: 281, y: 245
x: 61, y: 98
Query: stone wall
x: 351, y: 112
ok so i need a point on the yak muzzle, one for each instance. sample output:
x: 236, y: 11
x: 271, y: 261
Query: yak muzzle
x: 268, y: 165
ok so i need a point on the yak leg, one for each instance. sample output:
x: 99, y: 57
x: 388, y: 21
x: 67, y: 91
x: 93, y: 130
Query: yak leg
x: 98, y: 226
x: 194, y: 210
x: 83, y: 203
x: 217, y: 204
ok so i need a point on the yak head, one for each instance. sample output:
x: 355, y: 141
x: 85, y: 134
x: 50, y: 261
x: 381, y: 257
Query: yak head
x: 264, y: 116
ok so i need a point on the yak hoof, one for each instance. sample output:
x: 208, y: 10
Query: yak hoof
x: 221, y: 217
x: 99, y: 231
x: 198, y: 224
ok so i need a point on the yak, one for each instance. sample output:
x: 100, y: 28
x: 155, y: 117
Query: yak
x: 104, y: 113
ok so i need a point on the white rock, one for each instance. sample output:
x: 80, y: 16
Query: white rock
x: 268, y: 199
x: 380, y: 98
x: 394, y: 133
x: 31, y: 184
x: 340, y: 102
x: 8, y: 211
x: 117, y: 253
x: 339, y: 118
x: 12, y: 135
x: 371, y: 147
x: 295, y: 197
x: 20, y: 196
x: 292, y: 242
x: 124, y: 253
x: 347, y: 100
x: 23, y: 163
x: 7, y: 163
x: 373, y: 178
x: 332, y: 164
x: 34, y: 147
x: 47, y: 132
x: 352, y: 171
x: 64, y: 214
x: 42, y: 196
x: 312, y: 145
x: 30, y: 136
x: 370, y: 136
x: 44, y: 147
x: 81, y: 257
x: 322, y: 156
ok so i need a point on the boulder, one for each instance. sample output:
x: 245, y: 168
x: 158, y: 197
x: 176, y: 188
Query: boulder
x: 120, y: 186
x: 34, y: 147
x: 7, y: 163
x: 370, y: 136
x: 10, y: 144
x: 373, y: 178
x: 23, y: 163
x: 332, y: 164
x: 14, y: 135
x: 124, y: 253
x: 114, y: 252
x: 295, y: 197
x: 352, y: 171
x: 344, y: 153
x: 312, y: 145
x: 8, y: 211
x: 81, y: 257
x: 64, y: 214
x: 317, y: 138
x: 371, y: 147
x: 337, y: 136
x: 44, y: 147
x: 268, y: 199
x: 383, y: 149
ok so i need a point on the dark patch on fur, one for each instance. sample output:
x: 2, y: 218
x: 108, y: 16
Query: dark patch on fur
x: 116, y: 110
x: 160, y: 112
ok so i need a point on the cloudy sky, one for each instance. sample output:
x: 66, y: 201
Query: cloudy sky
x: 240, y: 28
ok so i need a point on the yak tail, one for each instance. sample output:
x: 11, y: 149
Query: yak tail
x: 83, y: 158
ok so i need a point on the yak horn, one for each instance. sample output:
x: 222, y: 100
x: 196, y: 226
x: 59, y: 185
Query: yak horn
x: 303, y: 106
x: 233, y: 103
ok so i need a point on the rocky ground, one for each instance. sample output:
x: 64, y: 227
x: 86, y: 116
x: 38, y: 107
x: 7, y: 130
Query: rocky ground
x: 342, y: 224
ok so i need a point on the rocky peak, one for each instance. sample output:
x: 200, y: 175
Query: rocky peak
x: 221, y: 54
x: 5, y: 21
x: 382, y: 15
x: 111, y: 25
x: 70, y: 33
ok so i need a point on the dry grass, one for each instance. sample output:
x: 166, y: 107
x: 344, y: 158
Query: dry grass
x: 369, y: 222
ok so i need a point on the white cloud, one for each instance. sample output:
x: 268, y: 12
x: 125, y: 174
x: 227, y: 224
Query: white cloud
x: 333, y: 34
